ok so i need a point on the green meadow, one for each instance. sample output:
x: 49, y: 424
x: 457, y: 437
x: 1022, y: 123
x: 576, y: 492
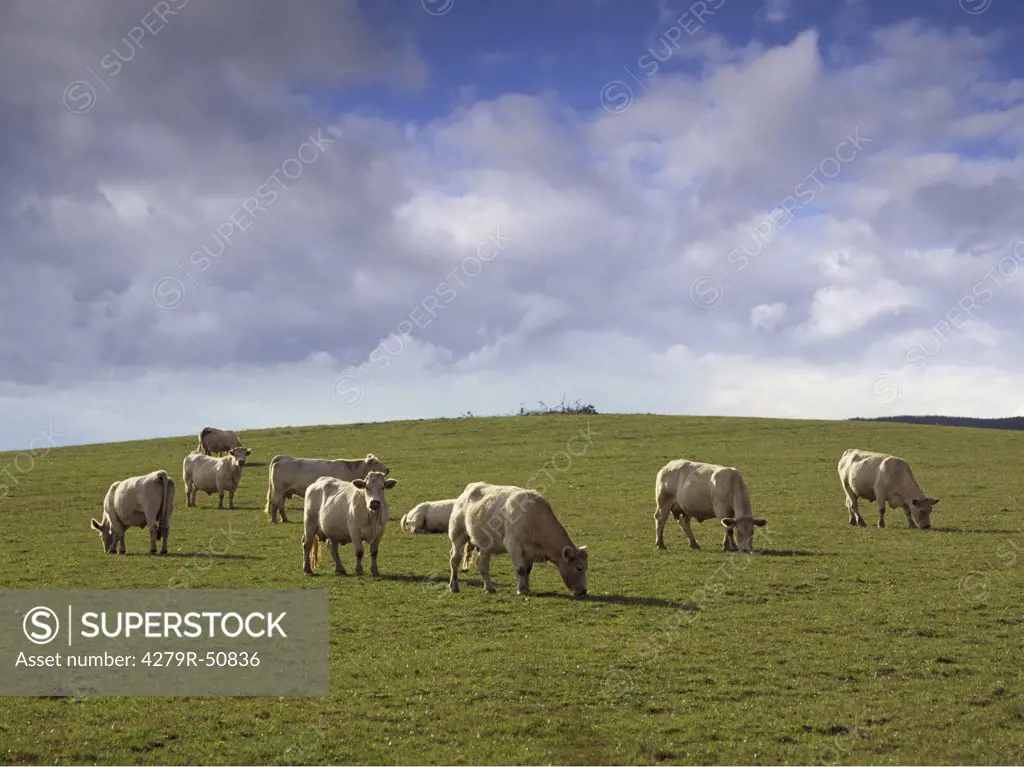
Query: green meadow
x: 831, y: 645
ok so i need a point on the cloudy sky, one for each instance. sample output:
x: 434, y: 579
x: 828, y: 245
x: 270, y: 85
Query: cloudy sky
x: 249, y: 213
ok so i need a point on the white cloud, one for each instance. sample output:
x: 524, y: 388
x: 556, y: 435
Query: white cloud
x: 767, y: 316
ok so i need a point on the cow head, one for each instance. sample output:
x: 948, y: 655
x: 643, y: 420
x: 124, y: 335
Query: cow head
x: 572, y: 565
x: 921, y: 510
x: 240, y: 454
x: 373, y: 463
x: 743, y: 531
x: 103, y: 528
x: 373, y: 488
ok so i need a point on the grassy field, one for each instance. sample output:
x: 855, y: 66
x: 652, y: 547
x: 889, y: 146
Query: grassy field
x: 836, y: 645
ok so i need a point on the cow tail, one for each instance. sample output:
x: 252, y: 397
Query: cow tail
x: 467, y: 555
x: 165, y: 504
x: 740, y: 497
x: 270, y: 488
x: 314, y: 553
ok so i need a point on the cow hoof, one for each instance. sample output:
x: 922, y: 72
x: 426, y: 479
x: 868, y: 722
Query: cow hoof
x: 862, y: 523
x: 881, y: 525
x: 661, y: 545
x: 375, y: 573
x: 490, y: 589
x: 695, y: 547
x: 523, y: 592
x: 453, y: 587
x: 340, y: 572
x: 307, y: 570
x: 163, y: 553
x: 152, y: 553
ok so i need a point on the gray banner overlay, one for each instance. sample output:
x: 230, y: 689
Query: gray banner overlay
x: 136, y: 642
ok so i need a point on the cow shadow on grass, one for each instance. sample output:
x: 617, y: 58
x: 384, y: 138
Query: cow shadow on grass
x: 621, y: 599
x: 187, y: 555
x: 791, y: 553
x: 435, y: 581
x: 962, y: 531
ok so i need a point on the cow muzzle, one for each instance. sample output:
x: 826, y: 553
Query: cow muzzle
x: 374, y: 505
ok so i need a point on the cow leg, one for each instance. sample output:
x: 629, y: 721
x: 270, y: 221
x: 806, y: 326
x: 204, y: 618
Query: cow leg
x: 729, y: 543
x: 910, y: 517
x: 455, y: 562
x: 164, y: 531
x: 660, y: 517
x: 483, y: 561
x: 853, y: 508
x: 220, y: 500
x: 307, y: 550
x: 339, y: 569
x: 373, y: 561
x: 684, y: 522
x: 284, y: 517
x: 359, y: 557
x: 522, y: 568
x: 881, y: 513
x: 231, y: 499
x: 152, y: 538
x: 120, y: 540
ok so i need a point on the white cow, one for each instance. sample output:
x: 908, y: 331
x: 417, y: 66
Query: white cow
x: 146, y: 500
x: 288, y: 476
x: 500, y: 519
x: 213, y: 440
x: 345, y: 512
x: 882, y: 478
x: 428, y: 517
x: 213, y: 475
x: 694, y: 490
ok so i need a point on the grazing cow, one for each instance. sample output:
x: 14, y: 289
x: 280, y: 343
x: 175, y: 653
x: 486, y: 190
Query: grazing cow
x: 882, y: 478
x: 144, y: 500
x: 213, y: 475
x: 213, y: 440
x: 694, y: 490
x: 345, y: 512
x: 288, y: 476
x: 500, y: 519
x: 428, y: 517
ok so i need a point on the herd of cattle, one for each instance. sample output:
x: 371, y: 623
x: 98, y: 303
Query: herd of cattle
x: 345, y: 503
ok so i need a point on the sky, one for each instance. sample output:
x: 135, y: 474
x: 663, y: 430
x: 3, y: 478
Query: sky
x: 248, y: 214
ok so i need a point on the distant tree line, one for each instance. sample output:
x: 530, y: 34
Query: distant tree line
x: 1012, y: 423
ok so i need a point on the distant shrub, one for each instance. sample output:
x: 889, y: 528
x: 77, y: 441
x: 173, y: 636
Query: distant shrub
x: 563, y: 408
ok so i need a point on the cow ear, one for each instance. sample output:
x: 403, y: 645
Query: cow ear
x: 760, y: 522
x: 567, y: 553
x: 582, y: 552
x: 934, y: 501
x: 360, y: 483
x: 728, y: 522
x: 95, y: 525
x: 390, y: 483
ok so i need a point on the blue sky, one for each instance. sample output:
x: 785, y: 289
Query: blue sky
x: 504, y: 203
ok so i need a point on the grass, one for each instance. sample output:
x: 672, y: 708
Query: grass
x: 837, y: 645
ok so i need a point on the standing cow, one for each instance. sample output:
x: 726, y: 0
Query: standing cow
x: 694, y: 490
x: 345, y: 512
x: 882, y: 478
x: 288, y: 476
x: 213, y: 475
x: 146, y: 500
x: 213, y: 440
x: 504, y: 519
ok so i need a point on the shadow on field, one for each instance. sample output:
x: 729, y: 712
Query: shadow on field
x: 792, y: 553
x: 618, y: 599
x: 186, y: 555
x: 971, y: 532
x: 417, y: 578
